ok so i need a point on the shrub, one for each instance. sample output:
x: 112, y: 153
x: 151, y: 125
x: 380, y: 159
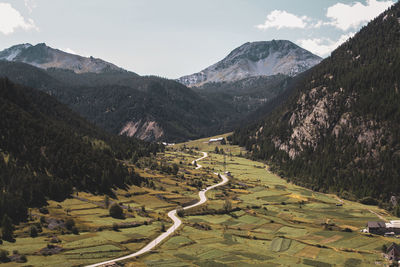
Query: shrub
x: 116, y: 211
x: 369, y: 201
x: 75, y: 230
x: 22, y: 259
x: 4, y: 256
x: 44, y: 210
x: 69, y: 223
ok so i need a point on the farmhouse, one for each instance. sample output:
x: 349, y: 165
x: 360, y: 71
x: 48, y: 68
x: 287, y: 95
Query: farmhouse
x: 393, y: 252
x: 381, y: 228
x: 378, y: 228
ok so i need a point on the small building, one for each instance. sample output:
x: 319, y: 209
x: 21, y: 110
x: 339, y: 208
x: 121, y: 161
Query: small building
x: 214, y: 140
x: 228, y: 174
x: 393, y: 226
x: 378, y: 228
x: 393, y: 252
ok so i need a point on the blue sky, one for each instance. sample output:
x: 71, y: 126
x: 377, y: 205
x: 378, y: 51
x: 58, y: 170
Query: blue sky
x: 172, y: 38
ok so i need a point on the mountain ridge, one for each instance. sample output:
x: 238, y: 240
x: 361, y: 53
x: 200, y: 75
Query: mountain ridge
x: 261, y: 58
x: 43, y: 56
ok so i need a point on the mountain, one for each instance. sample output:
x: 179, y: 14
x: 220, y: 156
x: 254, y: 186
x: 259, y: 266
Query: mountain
x: 46, y: 150
x: 243, y: 97
x: 43, y: 56
x: 264, y: 58
x: 339, y: 130
x: 147, y: 107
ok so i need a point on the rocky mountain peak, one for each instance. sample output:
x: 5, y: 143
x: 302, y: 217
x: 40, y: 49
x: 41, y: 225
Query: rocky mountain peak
x: 43, y: 56
x: 262, y: 58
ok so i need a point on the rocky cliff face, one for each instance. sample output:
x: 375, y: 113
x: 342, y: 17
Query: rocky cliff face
x: 144, y: 130
x: 339, y: 129
x: 256, y: 59
x: 43, y: 56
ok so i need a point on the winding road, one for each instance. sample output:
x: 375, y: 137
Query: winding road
x: 173, y: 216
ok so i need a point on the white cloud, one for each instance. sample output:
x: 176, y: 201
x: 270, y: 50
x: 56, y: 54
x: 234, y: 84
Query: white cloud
x: 323, y: 46
x: 11, y: 19
x: 281, y: 19
x: 30, y: 5
x: 345, y: 16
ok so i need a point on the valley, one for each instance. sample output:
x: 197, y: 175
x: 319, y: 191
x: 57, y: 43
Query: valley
x: 266, y: 155
x: 255, y: 219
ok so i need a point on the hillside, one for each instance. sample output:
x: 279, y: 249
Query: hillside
x: 245, y: 96
x: 47, y: 150
x: 44, y: 57
x: 263, y: 58
x: 339, y: 130
x: 150, y: 108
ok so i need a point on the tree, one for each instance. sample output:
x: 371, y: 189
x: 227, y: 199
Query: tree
x: 175, y: 169
x: 180, y: 211
x: 116, y: 211
x: 7, y: 228
x: 163, y: 227
x: 216, y: 150
x: 397, y: 211
x: 33, y: 231
x: 227, y: 206
x: 106, y: 201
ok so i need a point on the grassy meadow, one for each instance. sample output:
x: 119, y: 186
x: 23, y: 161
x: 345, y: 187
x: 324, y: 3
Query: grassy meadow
x: 270, y: 222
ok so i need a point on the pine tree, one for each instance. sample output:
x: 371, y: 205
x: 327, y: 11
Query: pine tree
x: 7, y: 228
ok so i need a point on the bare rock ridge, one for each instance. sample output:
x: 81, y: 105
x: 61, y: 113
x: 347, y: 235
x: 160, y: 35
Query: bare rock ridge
x: 264, y: 58
x: 44, y: 57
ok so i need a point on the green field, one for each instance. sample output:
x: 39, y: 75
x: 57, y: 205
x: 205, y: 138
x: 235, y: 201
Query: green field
x: 274, y: 223
x: 278, y: 224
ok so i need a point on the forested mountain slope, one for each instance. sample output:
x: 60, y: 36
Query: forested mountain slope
x: 339, y: 131
x: 46, y: 150
x: 147, y: 107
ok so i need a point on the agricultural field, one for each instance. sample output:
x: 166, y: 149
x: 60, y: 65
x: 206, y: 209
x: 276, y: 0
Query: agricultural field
x: 96, y: 236
x: 257, y: 219
x: 273, y: 223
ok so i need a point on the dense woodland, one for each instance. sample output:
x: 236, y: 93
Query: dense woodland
x: 360, y: 81
x: 112, y: 99
x: 47, y: 151
x: 242, y: 99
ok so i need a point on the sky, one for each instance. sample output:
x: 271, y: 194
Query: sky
x: 172, y: 38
